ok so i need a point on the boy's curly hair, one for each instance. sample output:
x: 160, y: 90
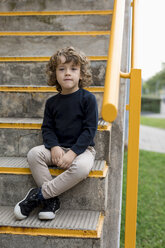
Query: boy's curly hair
x: 78, y: 58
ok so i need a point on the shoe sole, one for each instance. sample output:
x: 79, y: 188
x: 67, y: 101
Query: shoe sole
x: 47, y: 215
x: 17, y: 209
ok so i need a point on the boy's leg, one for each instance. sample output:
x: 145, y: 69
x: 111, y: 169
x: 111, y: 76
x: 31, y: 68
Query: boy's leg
x: 78, y: 171
x: 39, y: 158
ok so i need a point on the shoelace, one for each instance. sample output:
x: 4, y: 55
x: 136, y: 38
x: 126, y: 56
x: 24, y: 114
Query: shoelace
x: 50, y: 204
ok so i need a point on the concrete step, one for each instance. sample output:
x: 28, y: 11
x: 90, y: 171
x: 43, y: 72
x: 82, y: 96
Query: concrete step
x: 19, y: 135
x: 33, y: 73
x: 49, y: 5
x: 35, y: 123
x: 30, y: 101
x: 55, y: 22
x: 19, y: 165
x: 90, y: 194
x: 46, y: 45
x: 76, y: 229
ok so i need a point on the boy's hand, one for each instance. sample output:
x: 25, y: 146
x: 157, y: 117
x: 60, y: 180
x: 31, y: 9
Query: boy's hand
x: 56, y: 153
x: 66, y: 161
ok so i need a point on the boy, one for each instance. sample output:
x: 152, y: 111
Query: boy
x: 68, y: 129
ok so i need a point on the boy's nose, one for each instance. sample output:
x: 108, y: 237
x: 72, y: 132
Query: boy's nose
x: 67, y: 71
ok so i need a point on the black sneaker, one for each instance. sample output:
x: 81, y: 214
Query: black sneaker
x: 51, y: 206
x: 26, y: 206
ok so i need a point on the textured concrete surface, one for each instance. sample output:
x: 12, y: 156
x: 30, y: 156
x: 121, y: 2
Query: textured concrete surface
x: 55, y: 23
x: 83, y: 196
x: 152, y: 139
x: 17, y: 142
x: 31, y: 105
x: 13, y: 104
x: 51, y: 5
x: 14, y: 241
x: 65, y: 219
x: 81, y: 220
x: 47, y: 45
x: 33, y: 73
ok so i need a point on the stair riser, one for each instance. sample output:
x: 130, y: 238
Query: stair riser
x: 15, y: 241
x: 17, y: 142
x: 49, y: 5
x: 90, y: 194
x: 55, y: 23
x: 33, y: 73
x: 13, y: 104
x: 47, y: 45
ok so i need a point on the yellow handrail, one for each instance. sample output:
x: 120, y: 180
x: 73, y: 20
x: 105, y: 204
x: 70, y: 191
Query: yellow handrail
x: 112, y: 79
x: 110, y: 105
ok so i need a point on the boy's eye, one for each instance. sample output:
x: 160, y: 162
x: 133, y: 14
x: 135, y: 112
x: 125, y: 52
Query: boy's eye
x: 61, y: 69
x: 74, y: 68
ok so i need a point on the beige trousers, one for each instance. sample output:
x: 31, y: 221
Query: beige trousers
x: 39, y: 158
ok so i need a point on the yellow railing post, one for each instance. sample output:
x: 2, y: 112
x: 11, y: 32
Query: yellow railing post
x: 133, y: 158
x: 135, y: 34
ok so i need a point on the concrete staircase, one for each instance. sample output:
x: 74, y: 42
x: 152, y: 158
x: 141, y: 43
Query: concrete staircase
x: 90, y: 212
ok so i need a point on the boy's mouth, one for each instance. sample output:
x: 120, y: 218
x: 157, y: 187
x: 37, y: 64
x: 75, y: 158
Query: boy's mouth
x: 67, y: 79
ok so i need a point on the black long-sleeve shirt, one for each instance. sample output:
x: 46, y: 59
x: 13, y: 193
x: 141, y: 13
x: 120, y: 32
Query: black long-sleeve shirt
x: 70, y: 121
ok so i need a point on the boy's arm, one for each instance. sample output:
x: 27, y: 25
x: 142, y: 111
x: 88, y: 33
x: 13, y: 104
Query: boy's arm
x: 49, y: 137
x: 90, y: 126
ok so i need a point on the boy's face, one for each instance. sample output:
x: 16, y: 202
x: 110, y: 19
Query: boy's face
x: 68, y: 76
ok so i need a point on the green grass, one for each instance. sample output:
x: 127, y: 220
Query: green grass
x: 151, y: 201
x: 153, y: 122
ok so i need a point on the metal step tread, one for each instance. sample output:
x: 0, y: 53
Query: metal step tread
x: 53, y: 33
x: 35, y: 123
x: 43, y: 59
x: 19, y: 165
x: 38, y: 88
x: 43, y: 13
x: 20, y: 120
x: 67, y: 223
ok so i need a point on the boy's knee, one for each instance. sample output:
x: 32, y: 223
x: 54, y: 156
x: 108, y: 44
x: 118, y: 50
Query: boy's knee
x: 83, y: 170
x: 33, y: 154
